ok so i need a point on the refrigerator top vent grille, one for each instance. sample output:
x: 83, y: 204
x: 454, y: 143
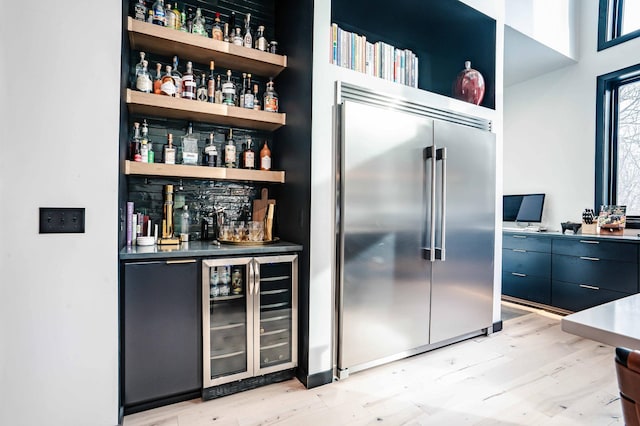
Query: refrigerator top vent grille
x: 359, y: 94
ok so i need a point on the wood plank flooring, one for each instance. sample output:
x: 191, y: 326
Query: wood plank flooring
x: 530, y: 373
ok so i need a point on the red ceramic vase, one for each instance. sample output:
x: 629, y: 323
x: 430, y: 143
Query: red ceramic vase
x: 469, y: 85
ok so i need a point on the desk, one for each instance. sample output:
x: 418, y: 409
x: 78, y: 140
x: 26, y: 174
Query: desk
x: 615, y: 323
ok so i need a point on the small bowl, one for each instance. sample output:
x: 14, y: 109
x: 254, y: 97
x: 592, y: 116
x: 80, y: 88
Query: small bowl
x: 145, y: 241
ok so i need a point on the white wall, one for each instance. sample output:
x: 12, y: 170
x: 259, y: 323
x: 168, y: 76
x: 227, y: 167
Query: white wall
x: 58, y: 293
x: 549, y: 129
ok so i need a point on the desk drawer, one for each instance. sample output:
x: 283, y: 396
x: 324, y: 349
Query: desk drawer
x: 592, y: 247
x: 608, y: 274
x: 574, y: 297
x: 526, y: 262
x: 526, y: 242
x: 528, y: 287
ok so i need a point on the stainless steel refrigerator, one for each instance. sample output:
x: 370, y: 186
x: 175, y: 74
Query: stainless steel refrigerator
x: 415, y: 222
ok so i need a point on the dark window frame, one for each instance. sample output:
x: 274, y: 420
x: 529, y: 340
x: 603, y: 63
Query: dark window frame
x: 606, y: 168
x: 610, y: 25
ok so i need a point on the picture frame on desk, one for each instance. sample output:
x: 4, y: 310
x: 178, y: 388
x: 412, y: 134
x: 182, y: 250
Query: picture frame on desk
x: 612, y: 219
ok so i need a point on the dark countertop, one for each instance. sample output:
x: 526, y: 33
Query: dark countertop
x: 629, y: 235
x: 204, y: 249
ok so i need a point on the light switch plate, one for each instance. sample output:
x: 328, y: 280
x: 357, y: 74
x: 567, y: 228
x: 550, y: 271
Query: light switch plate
x: 61, y: 220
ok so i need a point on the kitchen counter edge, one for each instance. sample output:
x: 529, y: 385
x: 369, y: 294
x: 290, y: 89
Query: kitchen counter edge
x: 204, y: 249
x: 629, y: 236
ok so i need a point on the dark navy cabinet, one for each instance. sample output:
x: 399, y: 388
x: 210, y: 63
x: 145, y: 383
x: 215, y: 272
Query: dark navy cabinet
x: 569, y: 272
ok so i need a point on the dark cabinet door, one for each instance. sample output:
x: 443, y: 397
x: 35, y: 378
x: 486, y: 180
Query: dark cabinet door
x: 528, y: 287
x: 576, y: 297
x: 161, y: 331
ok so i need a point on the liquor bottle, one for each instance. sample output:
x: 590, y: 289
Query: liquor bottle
x: 265, y: 157
x: 261, y: 42
x: 247, y: 40
x: 248, y: 95
x: 228, y: 91
x: 210, y: 153
x: 177, y: 77
x: 168, y: 84
x: 183, y: 19
x: 256, y: 98
x: 248, y: 156
x: 211, y: 84
x: 150, y: 16
x: 188, y: 83
x: 189, y: 19
x: 218, y: 93
x: 225, y: 36
x: 216, y: 30
x: 143, y: 80
x: 152, y: 155
x: 237, y: 36
x: 170, y: 17
x: 178, y: 14
x: 232, y: 24
x: 134, y: 144
x: 270, y: 97
x: 169, y: 152
x: 242, y: 90
x: 185, y: 224
x: 159, y: 17
x: 157, y: 83
x: 144, y: 142
x: 190, y: 147
x: 137, y: 70
x: 201, y: 91
x: 230, y: 151
x: 140, y: 11
x: 199, y: 24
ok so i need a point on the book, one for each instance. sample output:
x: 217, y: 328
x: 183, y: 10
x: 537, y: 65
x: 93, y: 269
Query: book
x: 130, y: 223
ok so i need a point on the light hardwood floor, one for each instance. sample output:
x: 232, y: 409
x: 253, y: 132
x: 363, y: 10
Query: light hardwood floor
x: 530, y: 373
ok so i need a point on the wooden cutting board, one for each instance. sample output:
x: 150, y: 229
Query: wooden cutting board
x: 260, y: 205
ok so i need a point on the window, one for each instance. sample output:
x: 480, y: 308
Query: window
x: 618, y: 141
x: 618, y: 21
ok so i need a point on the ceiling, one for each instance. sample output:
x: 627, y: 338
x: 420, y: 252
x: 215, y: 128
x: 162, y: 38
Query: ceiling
x: 525, y: 58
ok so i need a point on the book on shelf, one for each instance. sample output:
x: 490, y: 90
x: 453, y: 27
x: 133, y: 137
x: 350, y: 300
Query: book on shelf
x: 379, y: 59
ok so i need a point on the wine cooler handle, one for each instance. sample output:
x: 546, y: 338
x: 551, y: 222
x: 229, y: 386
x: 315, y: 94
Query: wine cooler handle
x: 429, y: 253
x: 441, y: 154
x: 250, y: 280
x: 256, y: 274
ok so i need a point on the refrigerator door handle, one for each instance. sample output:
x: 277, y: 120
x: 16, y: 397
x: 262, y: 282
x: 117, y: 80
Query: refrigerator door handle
x: 441, y: 155
x: 251, y: 278
x: 429, y: 253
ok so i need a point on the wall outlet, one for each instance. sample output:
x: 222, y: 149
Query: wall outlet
x: 61, y: 220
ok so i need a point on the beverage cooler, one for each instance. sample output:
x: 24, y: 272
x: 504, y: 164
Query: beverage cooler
x: 249, y: 317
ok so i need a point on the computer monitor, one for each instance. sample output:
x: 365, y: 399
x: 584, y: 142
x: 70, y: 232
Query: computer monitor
x: 522, y: 208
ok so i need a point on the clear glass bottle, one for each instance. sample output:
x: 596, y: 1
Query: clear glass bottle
x: 157, y: 83
x: 140, y: 11
x: 225, y: 36
x: 134, y: 144
x: 178, y: 15
x: 265, y: 157
x: 230, y: 152
x: 150, y: 16
x: 183, y: 19
x: 248, y: 156
x: 248, y: 94
x: 211, y: 84
x: 185, y: 224
x: 159, y: 17
x: 144, y: 142
x: 189, y: 83
x: 170, y: 17
x: 199, y: 24
x: 210, y: 154
x: 218, y: 93
x: 190, y: 147
x: 216, y: 30
x: 237, y: 37
x: 247, y: 40
x: 137, y: 70
x: 261, y: 42
x: 270, y: 97
x: 177, y: 77
x: 256, y: 98
x: 228, y: 91
x: 169, y: 152
x: 143, y: 79
x: 243, y: 88
x: 201, y: 91
x: 168, y: 84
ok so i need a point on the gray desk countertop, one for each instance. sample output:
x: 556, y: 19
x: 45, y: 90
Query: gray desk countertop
x: 629, y: 236
x: 204, y: 249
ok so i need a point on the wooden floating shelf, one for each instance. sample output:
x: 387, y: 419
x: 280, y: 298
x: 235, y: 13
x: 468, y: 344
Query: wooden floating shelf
x: 191, y: 47
x: 201, y: 172
x: 185, y: 109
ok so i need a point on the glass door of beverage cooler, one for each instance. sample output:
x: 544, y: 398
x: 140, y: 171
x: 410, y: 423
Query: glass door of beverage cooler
x: 276, y: 313
x: 227, y: 320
